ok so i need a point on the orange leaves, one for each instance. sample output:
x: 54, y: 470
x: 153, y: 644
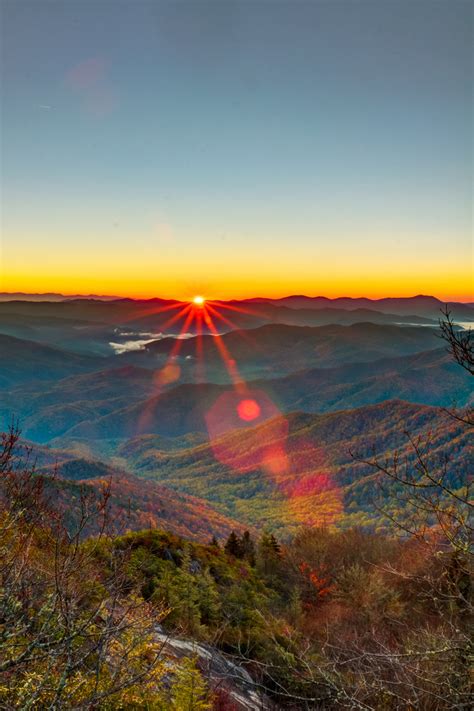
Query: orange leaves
x: 317, y: 579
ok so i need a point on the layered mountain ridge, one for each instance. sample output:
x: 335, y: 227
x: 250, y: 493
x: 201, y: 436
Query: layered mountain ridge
x: 253, y: 425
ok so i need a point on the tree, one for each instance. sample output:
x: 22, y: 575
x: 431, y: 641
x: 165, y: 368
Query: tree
x: 440, y: 507
x: 208, y: 598
x: 460, y: 342
x: 233, y: 545
x: 269, y: 545
x: 189, y: 691
x: 178, y: 588
x: 248, y: 548
x: 268, y: 555
x: 71, y: 633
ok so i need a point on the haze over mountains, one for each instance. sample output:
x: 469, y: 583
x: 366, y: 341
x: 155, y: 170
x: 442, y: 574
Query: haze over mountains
x: 51, y: 296
x: 394, y: 304
x: 305, y: 469
x: 295, y: 470
x: 126, y: 389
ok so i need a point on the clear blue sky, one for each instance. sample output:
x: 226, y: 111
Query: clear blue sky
x: 237, y: 147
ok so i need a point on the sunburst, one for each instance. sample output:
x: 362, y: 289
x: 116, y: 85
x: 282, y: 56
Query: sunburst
x: 199, y: 315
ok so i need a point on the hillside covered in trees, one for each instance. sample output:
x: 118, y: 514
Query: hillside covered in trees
x: 292, y: 542
x: 326, y: 620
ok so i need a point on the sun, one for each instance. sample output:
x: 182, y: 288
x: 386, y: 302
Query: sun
x: 198, y: 300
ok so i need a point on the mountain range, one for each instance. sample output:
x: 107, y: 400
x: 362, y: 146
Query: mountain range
x: 254, y: 426
x: 303, y: 469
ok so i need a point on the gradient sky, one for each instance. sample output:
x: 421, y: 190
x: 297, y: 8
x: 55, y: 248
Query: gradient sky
x: 237, y: 148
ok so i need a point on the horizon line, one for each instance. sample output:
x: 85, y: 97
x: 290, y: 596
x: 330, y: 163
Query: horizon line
x: 117, y: 297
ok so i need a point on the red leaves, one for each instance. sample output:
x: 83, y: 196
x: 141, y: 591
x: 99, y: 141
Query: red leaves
x: 318, y: 579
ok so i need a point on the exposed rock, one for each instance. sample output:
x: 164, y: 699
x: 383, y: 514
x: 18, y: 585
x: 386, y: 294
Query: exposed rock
x: 220, y: 671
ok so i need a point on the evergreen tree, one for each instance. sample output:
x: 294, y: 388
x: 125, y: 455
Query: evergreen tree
x: 269, y: 555
x: 208, y: 598
x: 189, y: 691
x: 295, y: 607
x: 189, y: 595
x: 233, y: 545
x: 275, y: 546
x: 269, y: 545
x: 178, y: 589
x: 248, y: 548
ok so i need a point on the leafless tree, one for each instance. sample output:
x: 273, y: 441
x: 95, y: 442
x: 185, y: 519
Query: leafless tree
x: 428, y: 502
x: 460, y: 341
x: 71, y: 633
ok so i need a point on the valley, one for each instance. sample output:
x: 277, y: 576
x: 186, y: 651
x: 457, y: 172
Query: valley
x: 162, y: 422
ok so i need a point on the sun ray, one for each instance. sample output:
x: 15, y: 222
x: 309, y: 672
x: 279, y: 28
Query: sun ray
x: 144, y: 312
x: 242, y: 332
x: 229, y: 362
x: 239, y: 309
x: 176, y: 317
x: 179, y: 339
x: 222, y: 318
x: 194, y: 314
x: 200, y: 363
x: 161, y: 380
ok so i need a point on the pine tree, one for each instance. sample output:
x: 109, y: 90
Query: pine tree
x: 275, y: 546
x: 189, y: 691
x: 209, y: 598
x: 248, y: 548
x: 269, y: 555
x: 189, y: 595
x: 233, y: 545
x: 295, y: 607
x: 178, y: 589
x: 269, y: 545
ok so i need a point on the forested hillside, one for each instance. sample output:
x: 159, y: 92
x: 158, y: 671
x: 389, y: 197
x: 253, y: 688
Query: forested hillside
x: 328, y: 620
x: 300, y: 540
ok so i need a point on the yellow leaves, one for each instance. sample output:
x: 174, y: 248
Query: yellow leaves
x: 189, y: 691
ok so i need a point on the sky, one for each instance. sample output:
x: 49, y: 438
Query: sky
x: 237, y: 148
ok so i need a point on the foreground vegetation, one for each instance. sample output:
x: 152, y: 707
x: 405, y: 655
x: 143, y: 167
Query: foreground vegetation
x: 329, y: 620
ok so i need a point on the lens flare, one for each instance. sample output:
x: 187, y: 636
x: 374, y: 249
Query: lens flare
x: 170, y: 373
x: 297, y: 468
x: 248, y: 410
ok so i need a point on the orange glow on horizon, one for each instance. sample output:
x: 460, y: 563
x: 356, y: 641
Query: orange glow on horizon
x: 446, y: 292
x: 234, y: 270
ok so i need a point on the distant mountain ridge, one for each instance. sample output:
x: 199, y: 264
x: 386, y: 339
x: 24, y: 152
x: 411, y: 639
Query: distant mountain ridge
x: 272, y: 349
x: 429, y: 378
x: 421, y: 304
x: 323, y: 377
x: 59, y: 393
x: 51, y: 296
x: 105, y: 327
x: 22, y: 361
